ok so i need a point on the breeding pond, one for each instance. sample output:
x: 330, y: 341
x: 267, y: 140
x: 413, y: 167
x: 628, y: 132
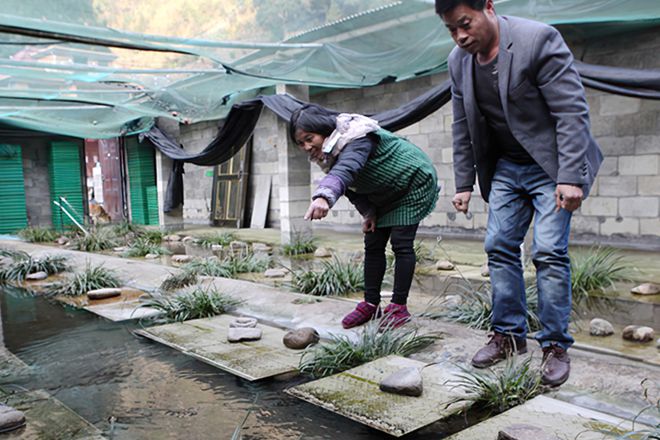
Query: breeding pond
x: 131, y: 388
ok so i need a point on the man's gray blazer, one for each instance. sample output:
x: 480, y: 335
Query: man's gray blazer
x: 544, y: 105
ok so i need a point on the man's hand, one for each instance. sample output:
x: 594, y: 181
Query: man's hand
x: 317, y: 209
x: 461, y: 201
x: 568, y: 197
x: 368, y: 224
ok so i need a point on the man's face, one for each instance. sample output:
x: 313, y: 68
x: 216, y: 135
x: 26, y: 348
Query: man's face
x: 473, y: 30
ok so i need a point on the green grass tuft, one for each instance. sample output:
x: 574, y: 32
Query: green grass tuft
x: 336, y: 277
x: 222, y: 239
x: 300, y: 245
x: 97, y: 240
x: 597, y: 270
x: 91, y: 278
x: 343, y: 353
x: 498, y: 389
x: 23, y: 264
x: 179, y: 280
x: 199, y: 303
x: 38, y: 235
x: 143, y: 246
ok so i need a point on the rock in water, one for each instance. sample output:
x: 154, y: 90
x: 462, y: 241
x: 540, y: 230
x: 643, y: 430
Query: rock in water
x: 407, y: 382
x: 275, y: 273
x: 37, y: 276
x: 646, y: 289
x: 10, y: 418
x: 322, y: 253
x: 444, y: 265
x: 638, y: 333
x: 243, y: 323
x: 600, y: 327
x: 104, y: 293
x: 238, y: 334
x: 301, y: 338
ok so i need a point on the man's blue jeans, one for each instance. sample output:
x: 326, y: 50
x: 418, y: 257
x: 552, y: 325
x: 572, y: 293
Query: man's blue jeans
x: 518, y: 193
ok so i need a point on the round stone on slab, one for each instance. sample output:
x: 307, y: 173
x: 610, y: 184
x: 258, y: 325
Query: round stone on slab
x: 406, y: 382
x: 275, y: 273
x: 485, y: 271
x: 181, y: 258
x: 37, y: 276
x: 322, y: 253
x: 109, y: 292
x: 243, y: 323
x: 301, y: 338
x: 172, y: 237
x: 600, y: 327
x: 444, y: 265
x: 638, y: 333
x: 646, y: 289
x: 238, y: 334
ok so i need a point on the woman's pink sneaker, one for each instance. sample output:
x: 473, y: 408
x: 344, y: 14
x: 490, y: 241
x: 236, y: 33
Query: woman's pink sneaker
x: 395, y: 315
x: 363, y: 312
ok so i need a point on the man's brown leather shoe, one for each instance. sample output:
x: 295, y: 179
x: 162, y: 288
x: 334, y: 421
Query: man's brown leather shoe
x: 498, y: 348
x: 556, y: 366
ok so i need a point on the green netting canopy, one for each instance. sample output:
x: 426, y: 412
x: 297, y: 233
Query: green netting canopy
x: 105, y: 68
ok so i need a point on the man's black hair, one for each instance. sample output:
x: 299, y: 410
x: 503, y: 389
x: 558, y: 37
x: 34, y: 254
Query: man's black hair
x: 314, y: 119
x: 444, y: 6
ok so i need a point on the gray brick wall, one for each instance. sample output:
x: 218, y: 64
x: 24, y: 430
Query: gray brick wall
x: 37, y: 186
x: 198, y: 187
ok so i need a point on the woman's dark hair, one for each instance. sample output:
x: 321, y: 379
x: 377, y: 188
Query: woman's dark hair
x: 314, y: 119
x: 444, y: 6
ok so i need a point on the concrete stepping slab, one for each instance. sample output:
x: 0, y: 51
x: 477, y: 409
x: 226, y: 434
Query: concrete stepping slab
x: 206, y: 340
x: 556, y: 419
x: 47, y: 417
x: 355, y: 394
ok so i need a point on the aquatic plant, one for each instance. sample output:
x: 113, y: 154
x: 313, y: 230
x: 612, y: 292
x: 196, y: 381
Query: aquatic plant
x: 248, y: 263
x: 200, y: 303
x: 222, y: 239
x: 374, y: 341
x: 597, y: 270
x: 96, y: 240
x: 336, y: 277
x: 301, y: 244
x: 212, y: 267
x: 38, y: 234
x: 24, y: 264
x: 475, y: 308
x: 91, y: 278
x: 179, y: 280
x: 143, y: 246
x: 498, y: 389
x: 126, y: 229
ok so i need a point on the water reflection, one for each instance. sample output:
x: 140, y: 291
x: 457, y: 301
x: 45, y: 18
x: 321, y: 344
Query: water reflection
x: 131, y: 388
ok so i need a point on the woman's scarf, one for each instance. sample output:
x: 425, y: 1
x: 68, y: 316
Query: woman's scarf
x: 350, y: 126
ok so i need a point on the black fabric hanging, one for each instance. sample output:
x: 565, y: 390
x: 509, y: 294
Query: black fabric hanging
x: 242, y: 118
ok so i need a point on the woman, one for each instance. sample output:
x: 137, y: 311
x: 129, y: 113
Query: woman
x: 391, y: 182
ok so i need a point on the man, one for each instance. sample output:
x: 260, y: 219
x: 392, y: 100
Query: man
x: 521, y: 124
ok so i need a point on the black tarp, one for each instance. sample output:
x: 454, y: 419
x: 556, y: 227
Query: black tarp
x: 242, y: 118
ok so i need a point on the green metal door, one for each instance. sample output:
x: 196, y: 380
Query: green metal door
x: 65, y: 172
x: 142, y: 182
x: 13, y: 215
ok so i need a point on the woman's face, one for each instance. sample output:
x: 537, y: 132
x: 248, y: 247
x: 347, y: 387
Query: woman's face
x: 311, y: 143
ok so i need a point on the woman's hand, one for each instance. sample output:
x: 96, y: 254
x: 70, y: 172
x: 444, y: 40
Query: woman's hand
x: 368, y: 224
x: 317, y: 209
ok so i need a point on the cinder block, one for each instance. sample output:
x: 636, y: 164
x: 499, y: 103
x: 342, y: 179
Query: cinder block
x: 619, y: 105
x: 648, y: 185
x: 645, y: 165
x: 617, y: 145
x: 638, y: 207
x: 647, y: 144
x: 617, y: 186
x: 609, y: 167
x: 447, y: 155
x: 649, y: 226
x: 606, y: 206
x: 611, y: 225
x: 585, y: 224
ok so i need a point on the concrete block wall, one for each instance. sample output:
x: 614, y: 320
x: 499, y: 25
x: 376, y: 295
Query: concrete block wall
x: 264, y: 162
x: 37, y: 186
x: 198, y: 187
